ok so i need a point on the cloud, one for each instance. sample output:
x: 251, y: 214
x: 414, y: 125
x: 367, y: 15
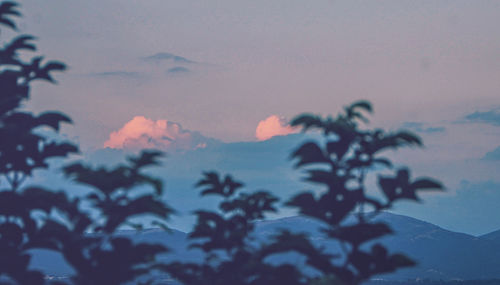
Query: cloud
x: 166, y: 57
x: 141, y: 132
x: 273, y: 126
x: 422, y: 128
x: 178, y: 70
x: 493, y: 155
x: 491, y: 117
x: 116, y: 74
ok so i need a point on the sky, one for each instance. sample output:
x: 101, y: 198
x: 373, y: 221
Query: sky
x: 192, y: 76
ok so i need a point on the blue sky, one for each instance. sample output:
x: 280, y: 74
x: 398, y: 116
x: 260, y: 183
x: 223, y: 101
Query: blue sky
x: 429, y: 66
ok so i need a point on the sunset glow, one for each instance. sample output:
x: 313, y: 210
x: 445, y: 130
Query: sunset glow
x: 273, y: 126
x: 141, y: 132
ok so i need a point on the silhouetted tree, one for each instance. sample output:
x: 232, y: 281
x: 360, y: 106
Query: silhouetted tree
x: 22, y: 151
x: 38, y: 217
x: 340, y: 166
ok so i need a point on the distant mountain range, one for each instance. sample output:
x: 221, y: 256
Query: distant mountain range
x: 441, y: 254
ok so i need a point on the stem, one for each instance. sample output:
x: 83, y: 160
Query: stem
x: 17, y: 180
x: 361, y: 179
x: 23, y: 177
x: 344, y: 249
x: 8, y: 179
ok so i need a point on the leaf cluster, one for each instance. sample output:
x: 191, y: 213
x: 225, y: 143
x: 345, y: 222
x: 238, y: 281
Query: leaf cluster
x: 344, y: 203
x: 226, y: 236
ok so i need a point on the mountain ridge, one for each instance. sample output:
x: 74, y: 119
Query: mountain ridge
x: 440, y: 254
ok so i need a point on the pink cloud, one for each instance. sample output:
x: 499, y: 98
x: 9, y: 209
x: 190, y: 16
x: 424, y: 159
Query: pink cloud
x: 141, y: 132
x: 273, y: 126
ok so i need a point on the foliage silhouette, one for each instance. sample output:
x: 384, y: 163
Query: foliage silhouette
x: 340, y: 165
x: 37, y: 217
x: 83, y: 228
x: 22, y: 151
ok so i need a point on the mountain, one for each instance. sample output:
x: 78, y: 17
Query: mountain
x: 494, y: 236
x: 52, y: 263
x: 440, y: 254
